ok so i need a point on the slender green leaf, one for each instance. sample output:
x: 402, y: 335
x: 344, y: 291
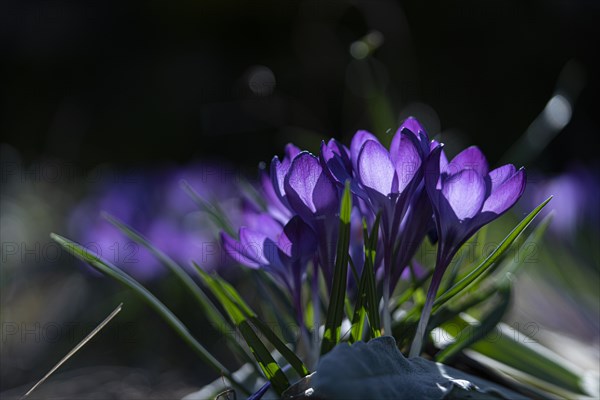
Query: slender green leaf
x: 285, y: 351
x: 250, y: 191
x: 287, y: 354
x: 486, y: 266
x: 372, y: 302
x: 267, y: 363
x: 408, y: 293
x: 360, y: 311
x: 516, y: 350
x: 472, y: 335
x: 114, y: 272
x: 216, y: 214
x: 207, y: 305
x: 335, y: 311
x: 240, y: 312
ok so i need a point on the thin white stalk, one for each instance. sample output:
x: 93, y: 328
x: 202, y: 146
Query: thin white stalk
x: 75, y: 349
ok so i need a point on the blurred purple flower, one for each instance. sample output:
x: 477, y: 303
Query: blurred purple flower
x: 576, y: 194
x: 154, y: 204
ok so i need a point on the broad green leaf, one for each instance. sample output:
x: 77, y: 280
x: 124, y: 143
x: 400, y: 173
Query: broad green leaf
x: 335, y: 311
x: 491, y: 261
x: 378, y: 370
x: 114, y: 272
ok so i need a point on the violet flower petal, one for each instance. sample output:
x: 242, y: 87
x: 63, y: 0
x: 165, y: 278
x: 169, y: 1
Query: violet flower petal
x: 506, y: 194
x: 358, y: 140
x: 375, y: 168
x: 234, y: 249
x: 465, y: 191
x: 469, y: 158
x: 309, y: 191
x: 499, y: 175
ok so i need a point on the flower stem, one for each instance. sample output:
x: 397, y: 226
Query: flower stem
x: 386, y: 316
x: 417, y: 344
x: 316, y: 308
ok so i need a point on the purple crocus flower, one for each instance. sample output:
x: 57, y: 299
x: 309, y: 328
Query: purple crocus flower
x: 314, y: 197
x: 465, y: 196
x: 282, y: 251
x: 390, y: 180
x: 279, y: 170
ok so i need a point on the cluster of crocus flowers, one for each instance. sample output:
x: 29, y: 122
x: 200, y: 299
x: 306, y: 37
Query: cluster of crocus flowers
x: 411, y: 186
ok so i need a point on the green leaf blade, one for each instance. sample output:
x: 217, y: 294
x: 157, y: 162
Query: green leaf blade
x: 490, y: 261
x: 114, y: 272
x: 335, y: 311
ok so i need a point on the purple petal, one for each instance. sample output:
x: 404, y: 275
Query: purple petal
x: 298, y: 240
x: 278, y: 171
x: 258, y: 247
x: 291, y: 151
x: 406, y: 158
x: 432, y: 174
x: 469, y: 158
x: 499, y: 175
x: 263, y: 223
x: 309, y: 191
x: 375, y: 169
x: 274, y: 204
x: 465, y: 193
x: 335, y: 160
x: 356, y: 145
x: 506, y: 194
x: 417, y: 131
x: 412, y: 125
x: 233, y: 249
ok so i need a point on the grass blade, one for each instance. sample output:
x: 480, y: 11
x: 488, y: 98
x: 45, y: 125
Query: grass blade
x: 469, y: 336
x: 372, y: 303
x: 246, y: 319
x: 285, y: 351
x: 265, y: 360
x: 335, y: 311
x: 486, y: 266
x: 250, y: 315
x: 208, y: 308
x: 216, y: 214
x: 75, y: 349
x: 114, y: 272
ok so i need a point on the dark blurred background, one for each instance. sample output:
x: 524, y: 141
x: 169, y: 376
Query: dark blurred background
x: 127, y: 82
x: 129, y: 85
